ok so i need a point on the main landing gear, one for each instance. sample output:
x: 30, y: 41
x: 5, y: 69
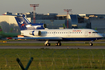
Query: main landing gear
x: 48, y: 44
x: 58, y: 44
x: 90, y: 43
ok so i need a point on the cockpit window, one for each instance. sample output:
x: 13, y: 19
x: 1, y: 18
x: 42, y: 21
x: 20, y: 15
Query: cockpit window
x: 95, y: 32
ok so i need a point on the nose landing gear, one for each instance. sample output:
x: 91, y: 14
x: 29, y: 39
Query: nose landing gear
x: 91, y: 44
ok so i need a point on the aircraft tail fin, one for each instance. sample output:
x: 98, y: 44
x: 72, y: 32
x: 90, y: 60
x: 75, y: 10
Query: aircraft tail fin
x: 22, y: 23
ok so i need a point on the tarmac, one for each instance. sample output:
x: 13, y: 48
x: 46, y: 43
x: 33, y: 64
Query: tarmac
x: 50, y: 47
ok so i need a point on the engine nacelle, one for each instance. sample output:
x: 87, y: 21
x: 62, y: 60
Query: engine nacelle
x: 35, y: 33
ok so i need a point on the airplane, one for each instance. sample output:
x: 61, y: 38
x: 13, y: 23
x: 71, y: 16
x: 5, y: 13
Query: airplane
x: 58, y: 34
x: 7, y: 35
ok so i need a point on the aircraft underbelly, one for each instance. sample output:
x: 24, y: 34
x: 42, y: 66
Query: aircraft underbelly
x: 79, y: 39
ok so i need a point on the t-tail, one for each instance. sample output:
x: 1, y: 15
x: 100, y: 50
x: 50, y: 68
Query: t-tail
x: 25, y: 24
x: 38, y: 25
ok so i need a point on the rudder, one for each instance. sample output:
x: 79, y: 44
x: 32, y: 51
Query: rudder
x: 21, y: 22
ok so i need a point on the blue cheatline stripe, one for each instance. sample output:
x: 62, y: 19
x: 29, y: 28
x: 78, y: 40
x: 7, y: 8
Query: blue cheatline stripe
x: 80, y: 39
x: 61, y: 39
x: 41, y: 38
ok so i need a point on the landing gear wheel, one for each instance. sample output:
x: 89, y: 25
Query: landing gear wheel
x: 48, y: 44
x: 58, y: 44
x: 91, y: 44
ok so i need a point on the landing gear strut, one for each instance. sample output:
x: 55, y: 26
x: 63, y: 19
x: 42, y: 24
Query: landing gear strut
x: 47, y: 43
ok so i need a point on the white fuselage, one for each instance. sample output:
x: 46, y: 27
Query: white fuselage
x: 64, y: 33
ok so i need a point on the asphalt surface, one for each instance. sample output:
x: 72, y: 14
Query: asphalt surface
x: 49, y: 41
x: 50, y: 47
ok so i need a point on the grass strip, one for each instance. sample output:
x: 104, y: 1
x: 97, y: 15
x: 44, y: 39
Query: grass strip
x: 53, y: 59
